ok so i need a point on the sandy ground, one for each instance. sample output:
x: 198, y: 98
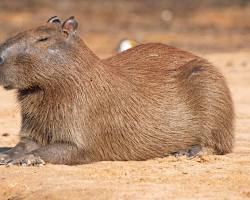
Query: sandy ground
x: 204, y: 177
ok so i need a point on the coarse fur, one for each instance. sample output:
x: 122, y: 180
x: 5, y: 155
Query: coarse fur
x: 143, y: 103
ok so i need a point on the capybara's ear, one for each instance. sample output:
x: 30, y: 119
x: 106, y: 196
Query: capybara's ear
x: 70, y: 26
x: 54, y: 20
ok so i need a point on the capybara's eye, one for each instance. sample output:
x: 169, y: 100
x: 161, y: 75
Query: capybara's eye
x: 42, y: 39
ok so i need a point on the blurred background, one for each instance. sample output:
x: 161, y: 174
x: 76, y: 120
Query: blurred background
x: 195, y: 25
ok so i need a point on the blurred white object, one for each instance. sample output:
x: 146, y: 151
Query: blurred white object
x: 166, y: 15
x: 126, y: 44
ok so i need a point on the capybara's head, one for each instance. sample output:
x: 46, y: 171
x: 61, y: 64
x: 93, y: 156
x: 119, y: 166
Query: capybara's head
x: 38, y: 55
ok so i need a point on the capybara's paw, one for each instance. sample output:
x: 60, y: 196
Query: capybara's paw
x: 27, y: 160
x: 193, y: 151
x: 4, y: 159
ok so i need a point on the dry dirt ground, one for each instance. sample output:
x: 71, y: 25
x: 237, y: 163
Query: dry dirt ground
x: 205, y: 177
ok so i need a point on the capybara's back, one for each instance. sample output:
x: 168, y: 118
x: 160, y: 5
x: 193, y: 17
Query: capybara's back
x: 198, y: 107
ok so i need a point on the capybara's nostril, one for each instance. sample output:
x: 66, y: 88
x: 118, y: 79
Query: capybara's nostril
x: 1, y: 60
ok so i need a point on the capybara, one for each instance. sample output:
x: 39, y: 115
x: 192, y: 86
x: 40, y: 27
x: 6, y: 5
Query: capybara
x: 149, y: 101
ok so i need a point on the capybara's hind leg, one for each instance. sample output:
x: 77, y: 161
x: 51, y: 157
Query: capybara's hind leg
x: 190, y: 152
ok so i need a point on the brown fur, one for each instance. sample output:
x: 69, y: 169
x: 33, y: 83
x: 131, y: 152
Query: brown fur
x: 146, y: 102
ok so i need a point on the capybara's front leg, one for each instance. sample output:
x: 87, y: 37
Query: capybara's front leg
x: 23, y: 147
x: 56, y: 153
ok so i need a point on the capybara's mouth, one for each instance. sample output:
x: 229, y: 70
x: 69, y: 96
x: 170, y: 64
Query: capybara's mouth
x: 29, y: 90
x: 8, y: 87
